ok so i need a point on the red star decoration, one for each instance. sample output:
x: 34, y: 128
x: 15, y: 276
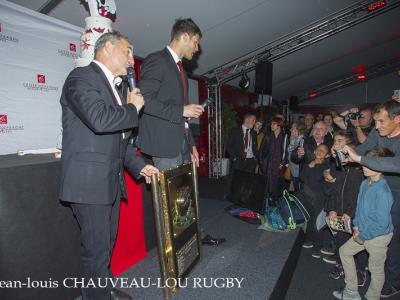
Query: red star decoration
x: 85, y: 45
x: 99, y: 30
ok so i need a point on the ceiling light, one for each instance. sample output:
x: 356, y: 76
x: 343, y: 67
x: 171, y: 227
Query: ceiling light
x: 244, y: 82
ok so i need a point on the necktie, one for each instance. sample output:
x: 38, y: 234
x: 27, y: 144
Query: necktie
x: 183, y: 79
x: 246, y: 142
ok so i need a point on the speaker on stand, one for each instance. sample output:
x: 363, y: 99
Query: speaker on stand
x: 293, y: 103
x: 263, y: 80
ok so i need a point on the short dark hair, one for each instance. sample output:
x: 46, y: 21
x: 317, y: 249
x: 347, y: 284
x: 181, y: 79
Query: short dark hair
x: 247, y: 115
x: 392, y: 107
x: 350, y: 139
x: 278, y: 121
x: 323, y: 145
x: 301, y: 128
x: 182, y: 26
x: 114, y: 37
x: 379, y: 152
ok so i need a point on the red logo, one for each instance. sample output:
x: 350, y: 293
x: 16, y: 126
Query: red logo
x: 3, y: 119
x: 41, y: 78
x: 72, y: 47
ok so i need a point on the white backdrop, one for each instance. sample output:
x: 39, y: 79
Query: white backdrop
x: 36, y: 54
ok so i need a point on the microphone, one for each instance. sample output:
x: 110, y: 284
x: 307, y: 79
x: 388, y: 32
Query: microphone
x: 131, y: 78
x: 207, y: 103
x: 204, y: 106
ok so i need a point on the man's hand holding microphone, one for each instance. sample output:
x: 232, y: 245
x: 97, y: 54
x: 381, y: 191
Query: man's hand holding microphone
x: 134, y: 96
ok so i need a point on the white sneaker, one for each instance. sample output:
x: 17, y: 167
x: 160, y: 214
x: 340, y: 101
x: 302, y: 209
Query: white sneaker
x: 346, y: 294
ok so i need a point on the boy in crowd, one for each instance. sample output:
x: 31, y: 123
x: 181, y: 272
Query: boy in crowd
x: 372, y: 231
x: 311, y: 175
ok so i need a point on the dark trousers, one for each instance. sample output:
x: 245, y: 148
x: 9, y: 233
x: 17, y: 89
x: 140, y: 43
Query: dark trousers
x: 98, y: 225
x: 392, y: 265
x: 313, y: 203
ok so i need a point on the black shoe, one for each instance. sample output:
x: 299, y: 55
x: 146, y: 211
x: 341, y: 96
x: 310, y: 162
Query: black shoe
x: 209, y: 240
x: 389, y: 291
x: 119, y: 295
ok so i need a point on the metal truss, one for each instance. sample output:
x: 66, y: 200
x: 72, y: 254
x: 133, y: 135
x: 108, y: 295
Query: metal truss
x: 371, y: 72
x: 214, y: 132
x: 304, y: 37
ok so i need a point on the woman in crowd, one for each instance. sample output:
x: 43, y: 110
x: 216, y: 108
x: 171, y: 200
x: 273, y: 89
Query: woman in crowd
x: 273, y: 157
x: 297, y: 132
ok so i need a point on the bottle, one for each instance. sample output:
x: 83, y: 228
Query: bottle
x: 338, y: 159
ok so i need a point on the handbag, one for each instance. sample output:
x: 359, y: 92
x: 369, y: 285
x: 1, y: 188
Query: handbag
x: 292, y: 210
x: 274, y: 218
x: 285, y: 173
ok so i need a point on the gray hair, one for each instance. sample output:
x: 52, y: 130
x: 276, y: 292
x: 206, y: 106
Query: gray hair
x: 114, y: 37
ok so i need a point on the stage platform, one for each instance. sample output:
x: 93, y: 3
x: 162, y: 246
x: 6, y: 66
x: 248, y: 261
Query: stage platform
x: 262, y: 261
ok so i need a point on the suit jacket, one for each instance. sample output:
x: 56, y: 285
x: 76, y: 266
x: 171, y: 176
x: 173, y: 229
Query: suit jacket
x: 235, y: 145
x: 309, y: 146
x: 161, y: 130
x: 94, y: 153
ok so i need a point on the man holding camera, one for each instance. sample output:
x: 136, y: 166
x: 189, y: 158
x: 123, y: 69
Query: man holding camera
x: 358, y: 122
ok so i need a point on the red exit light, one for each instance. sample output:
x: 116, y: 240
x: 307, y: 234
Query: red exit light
x: 312, y: 94
x: 376, y: 5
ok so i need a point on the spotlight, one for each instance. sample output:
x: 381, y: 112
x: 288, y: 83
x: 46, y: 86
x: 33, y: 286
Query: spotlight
x: 244, y: 82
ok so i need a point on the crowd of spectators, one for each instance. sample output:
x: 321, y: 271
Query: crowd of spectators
x: 345, y: 165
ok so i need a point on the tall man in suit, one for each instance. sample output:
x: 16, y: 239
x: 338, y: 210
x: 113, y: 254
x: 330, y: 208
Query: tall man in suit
x: 164, y: 132
x: 96, y: 123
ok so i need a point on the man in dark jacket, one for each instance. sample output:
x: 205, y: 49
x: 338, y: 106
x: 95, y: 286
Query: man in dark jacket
x: 318, y: 136
x: 242, y: 145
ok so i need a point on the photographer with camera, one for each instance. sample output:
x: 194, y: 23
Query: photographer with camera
x: 358, y: 122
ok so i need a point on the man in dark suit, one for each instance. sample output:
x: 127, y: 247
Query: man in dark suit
x: 97, y: 122
x: 242, y: 145
x: 242, y: 150
x: 164, y: 133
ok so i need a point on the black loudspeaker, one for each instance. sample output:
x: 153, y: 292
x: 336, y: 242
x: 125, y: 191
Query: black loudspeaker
x: 293, y: 102
x: 263, y: 83
x: 248, y: 190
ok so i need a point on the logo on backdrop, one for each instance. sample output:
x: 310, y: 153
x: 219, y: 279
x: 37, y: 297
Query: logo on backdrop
x: 3, y: 119
x: 41, y: 85
x: 5, y: 127
x: 41, y: 78
x: 7, y: 38
x: 71, y: 52
x: 72, y: 47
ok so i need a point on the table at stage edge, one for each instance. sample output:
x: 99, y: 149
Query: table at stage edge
x: 39, y: 237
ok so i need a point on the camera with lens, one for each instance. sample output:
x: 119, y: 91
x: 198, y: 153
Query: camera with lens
x: 353, y: 116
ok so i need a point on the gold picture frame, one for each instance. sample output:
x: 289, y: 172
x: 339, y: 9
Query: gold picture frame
x: 176, y: 210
